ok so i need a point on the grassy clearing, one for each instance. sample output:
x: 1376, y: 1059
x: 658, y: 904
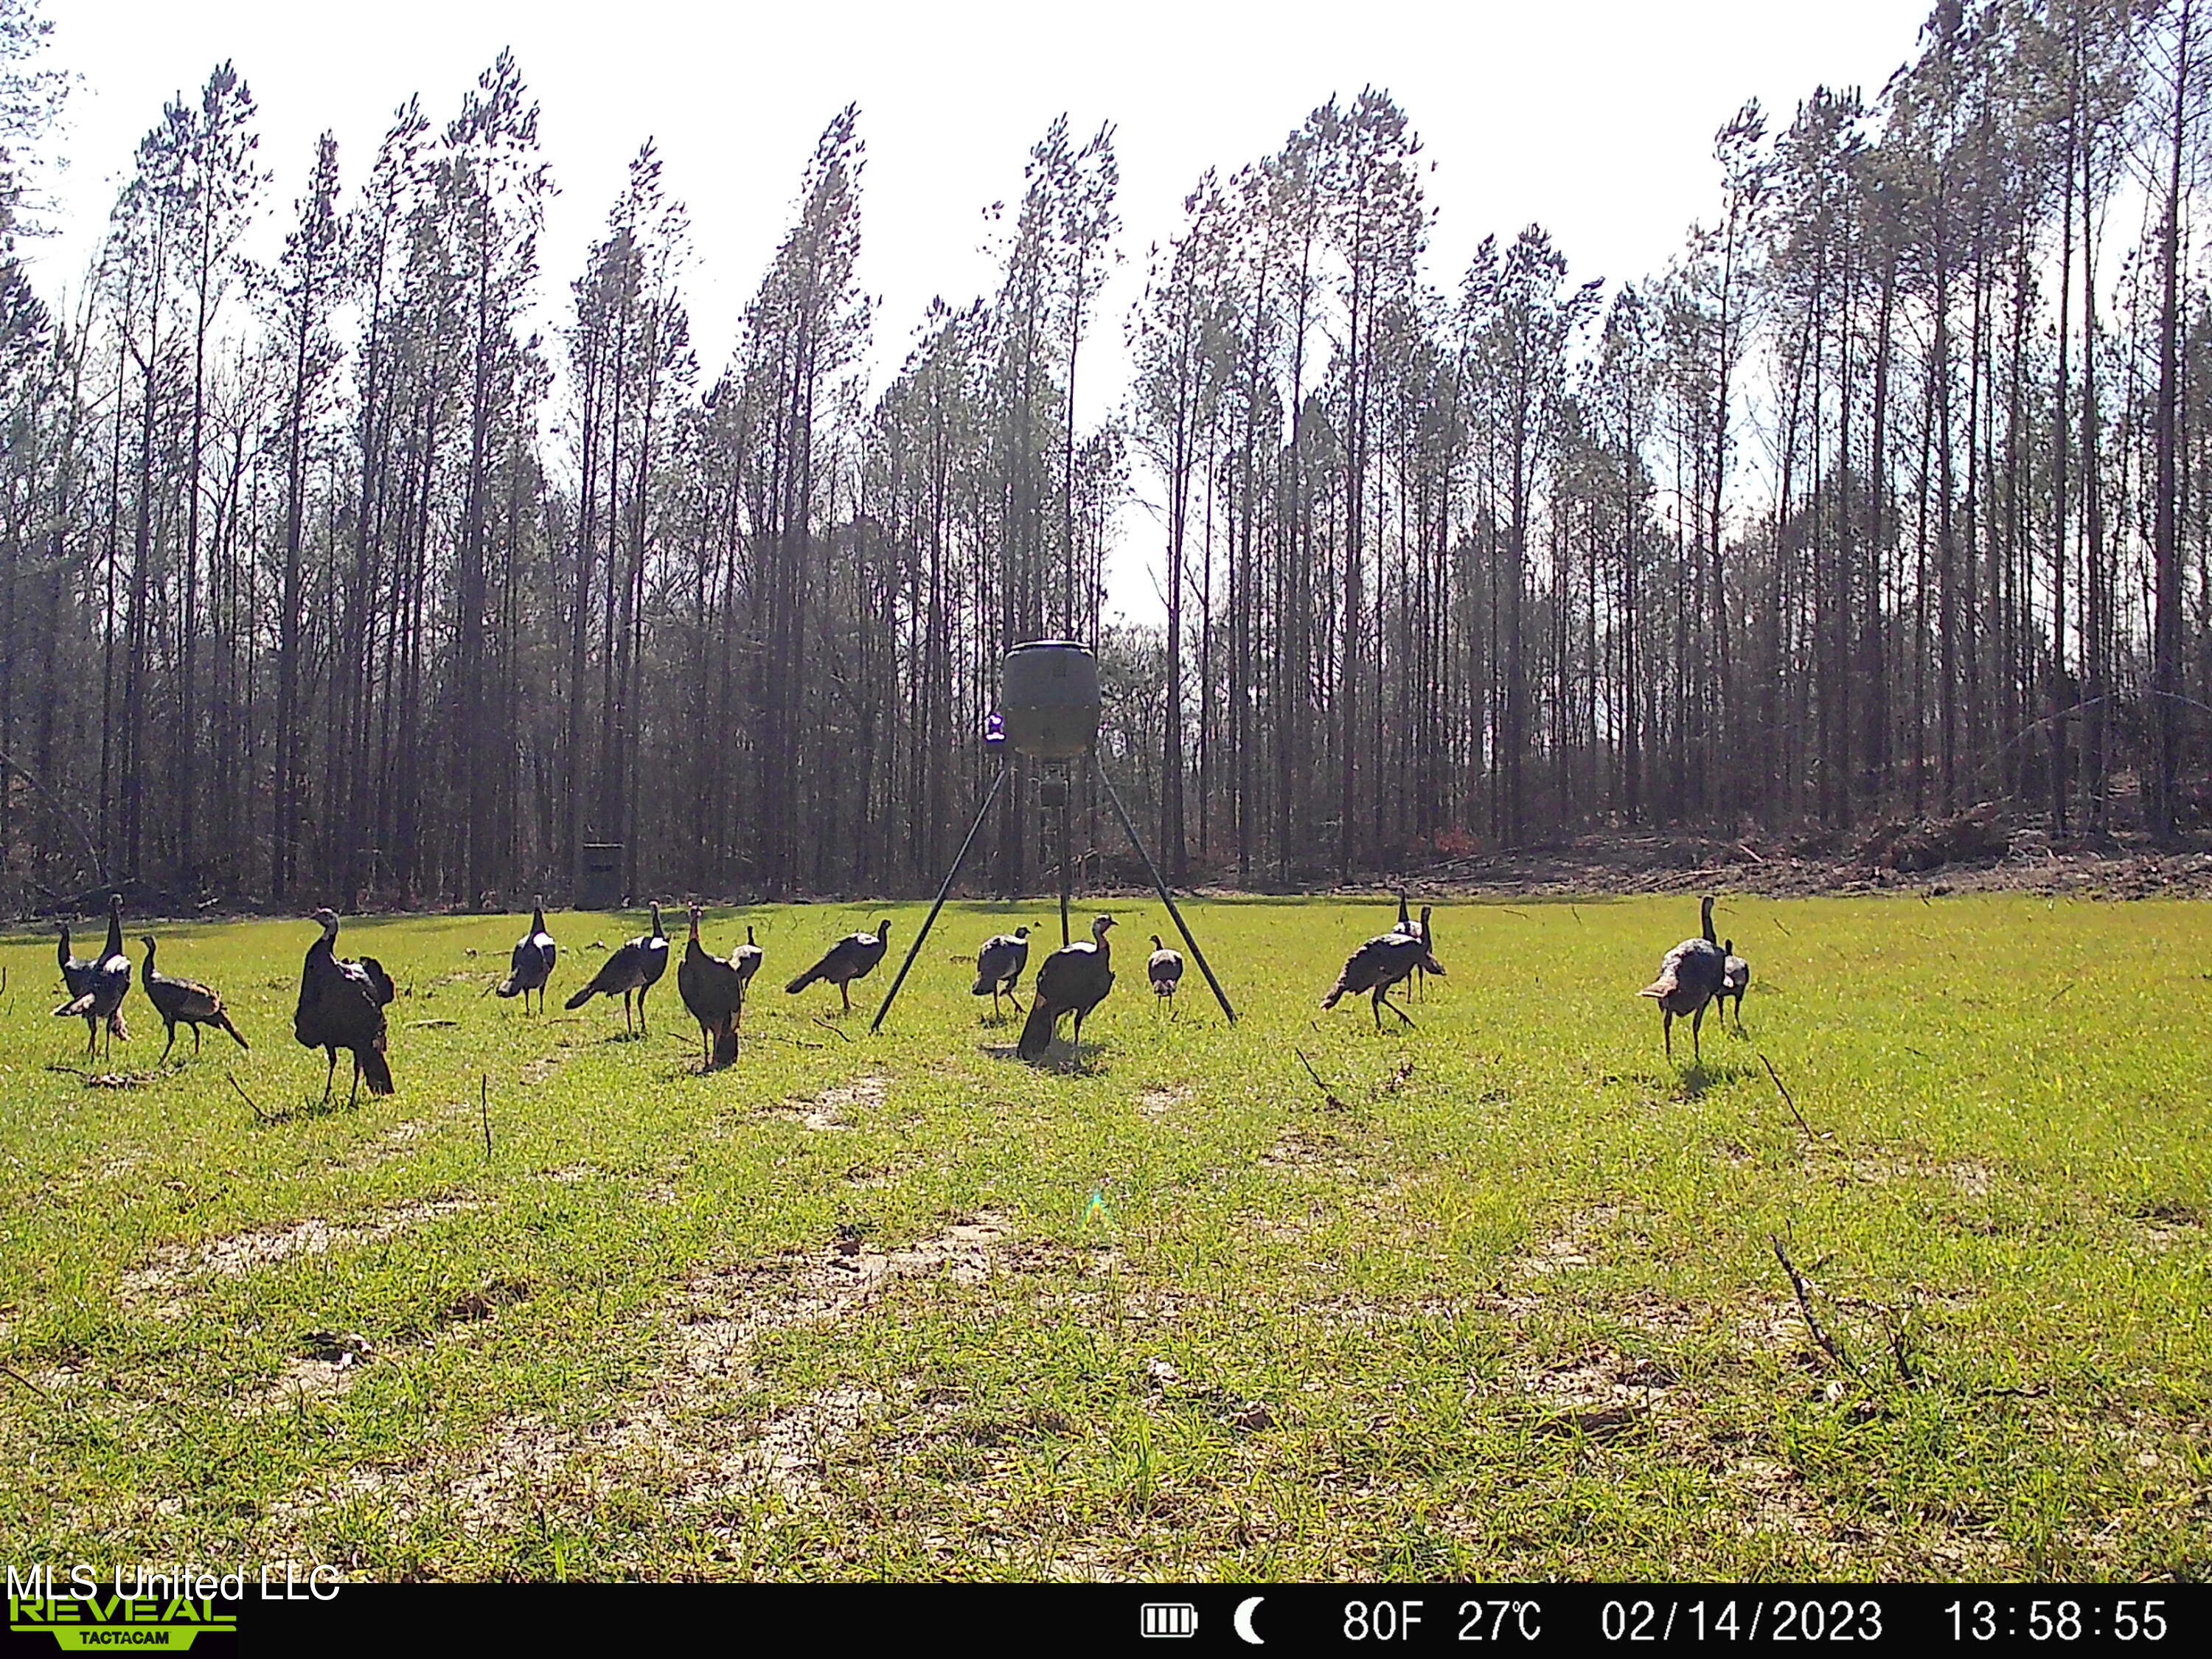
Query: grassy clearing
x: 903, y: 1306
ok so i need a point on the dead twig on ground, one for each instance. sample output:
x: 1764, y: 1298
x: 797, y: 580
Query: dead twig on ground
x: 1783, y: 1089
x: 1894, y: 1323
x: 823, y: 1022
x: 10, y: 1371
x: 1828, y: 1344
x: 483, y: 1106
x: 232, y: 1077
x: 1327, y: 1093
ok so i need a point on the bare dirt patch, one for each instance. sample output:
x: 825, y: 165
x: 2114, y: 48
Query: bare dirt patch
x: 1603, y: 1394
x: 1573, y: 1243
x: 679, y: 1428
x: 396, y: 1141
x: 328, y: 1365
x: 1302, y: 1146
x: 113, y: 1167
x: 2162, y: 1226
x: 1971, y: 1178
x: 173, y: 1266
x: 326, y: 1370
x: 1980, y: 850
x: 538, y: 1070
x: 830, y: 1109
x: 1157, y: 1103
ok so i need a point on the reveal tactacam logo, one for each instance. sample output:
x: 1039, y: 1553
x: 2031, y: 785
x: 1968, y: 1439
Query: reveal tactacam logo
x: 81, y: 1623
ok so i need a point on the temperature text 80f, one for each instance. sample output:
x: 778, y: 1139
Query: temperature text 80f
x: 1496, y: 1620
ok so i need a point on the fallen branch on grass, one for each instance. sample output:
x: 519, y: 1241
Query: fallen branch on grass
x: 1786, y: 1101
x: 1896, y: 1329
x: 1327, y: 1093
x: 823, y: 1021
x: 10, y: 1371
x: 233, y: 1078
x: 1829, y: 1345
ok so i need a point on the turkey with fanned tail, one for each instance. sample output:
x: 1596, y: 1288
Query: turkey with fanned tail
x: 342, y: 1006
x: 97, y: 988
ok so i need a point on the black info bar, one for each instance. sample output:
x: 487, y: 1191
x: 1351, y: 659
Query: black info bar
x: 1163, y: 1621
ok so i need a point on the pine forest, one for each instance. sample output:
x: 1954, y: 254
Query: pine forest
x: 340, y: 577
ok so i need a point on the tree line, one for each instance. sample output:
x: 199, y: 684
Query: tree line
x: 331, y: 576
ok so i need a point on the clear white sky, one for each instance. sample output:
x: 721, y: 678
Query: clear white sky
x: 1595, y: 119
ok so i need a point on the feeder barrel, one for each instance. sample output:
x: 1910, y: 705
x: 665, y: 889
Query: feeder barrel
x: 1049, y: 694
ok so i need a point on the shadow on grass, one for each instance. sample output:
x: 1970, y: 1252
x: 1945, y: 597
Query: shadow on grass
x: 1060, y: 1059
x: 1693, y: 1079
x: 302, y: 1111
x: 699, y: 1069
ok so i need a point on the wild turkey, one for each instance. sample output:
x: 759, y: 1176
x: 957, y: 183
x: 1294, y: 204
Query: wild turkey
x: 634, y: 970
x: 1164, y: 969
x: 1736, y: 979
x: 747, y: 959
x: 853, y: 957
x: 714, y: 990
x: 342, y: 1006
x: 77, y: 972
x: 185, y: 1002
x: 1690, y: 976
x: 1379, y: 965
x: 78, y: 976
x: 1074, y: 979
x: 97, y: 988
x: 532, y: 964
x: 998, y: 966
x: 1419, y: 930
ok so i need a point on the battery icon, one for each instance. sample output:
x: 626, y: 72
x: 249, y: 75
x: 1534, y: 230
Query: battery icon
x: 1169, y: 1619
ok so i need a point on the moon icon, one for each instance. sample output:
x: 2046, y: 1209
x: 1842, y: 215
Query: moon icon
x: 1245, y: 1609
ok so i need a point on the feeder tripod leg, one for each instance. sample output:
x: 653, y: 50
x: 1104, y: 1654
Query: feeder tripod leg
x: 950, y: 875
x: 1167, y: 898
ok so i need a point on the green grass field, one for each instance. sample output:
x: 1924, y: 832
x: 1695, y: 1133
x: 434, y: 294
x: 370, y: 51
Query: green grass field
x: 1496, y: 1297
